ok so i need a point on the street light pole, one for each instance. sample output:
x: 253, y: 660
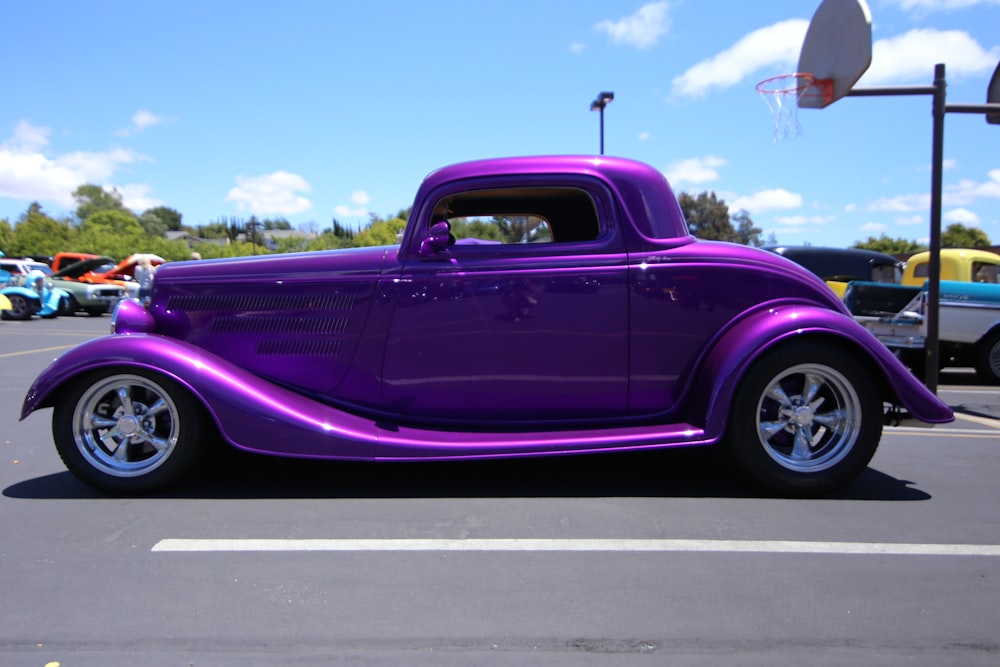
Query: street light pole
x: 602, y: 101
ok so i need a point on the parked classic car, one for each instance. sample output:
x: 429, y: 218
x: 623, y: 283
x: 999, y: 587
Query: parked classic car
x: 93, y: 298
x: 840, y: 266
x: 33, y: 294
x: 597, y: 325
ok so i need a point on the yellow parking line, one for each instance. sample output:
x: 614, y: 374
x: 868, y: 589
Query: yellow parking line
x: 42, y: 349
x: 982, y: 421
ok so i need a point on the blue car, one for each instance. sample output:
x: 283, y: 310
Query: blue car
x: 36, y: 296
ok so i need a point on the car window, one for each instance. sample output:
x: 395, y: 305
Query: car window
x: 984, y: 273
x: 519, y: 216
x: 921, y: 270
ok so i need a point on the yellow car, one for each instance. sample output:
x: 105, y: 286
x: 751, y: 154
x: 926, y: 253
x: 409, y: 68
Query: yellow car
x: 962, y: 264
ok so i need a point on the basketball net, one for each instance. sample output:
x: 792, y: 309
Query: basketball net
x: 782, y: 94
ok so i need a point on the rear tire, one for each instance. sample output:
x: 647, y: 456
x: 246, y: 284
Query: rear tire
x: 20, y: 308
x: 128, y: 430
x: 806, y: 419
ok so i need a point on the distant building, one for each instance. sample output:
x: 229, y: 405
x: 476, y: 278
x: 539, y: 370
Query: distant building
x: 192, y: 240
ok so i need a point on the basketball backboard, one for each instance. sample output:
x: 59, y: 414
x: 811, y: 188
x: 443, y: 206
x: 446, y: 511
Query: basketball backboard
x: 993, y: 97
x: 837, y: 51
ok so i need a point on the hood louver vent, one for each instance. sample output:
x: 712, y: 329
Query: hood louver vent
x: 299, y: 348
x: 271, y: 303
x: 273, y: 324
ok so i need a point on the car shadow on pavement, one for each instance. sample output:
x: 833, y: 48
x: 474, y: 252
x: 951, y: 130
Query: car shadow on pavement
x: 679, y: 473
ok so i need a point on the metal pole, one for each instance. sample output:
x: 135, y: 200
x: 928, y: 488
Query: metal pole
x: 934, y: 279
x: 602, y: 129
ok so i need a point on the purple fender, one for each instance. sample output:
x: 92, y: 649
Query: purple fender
x: 251, y: 413
x: 752, y: 336
x: 256, y: 415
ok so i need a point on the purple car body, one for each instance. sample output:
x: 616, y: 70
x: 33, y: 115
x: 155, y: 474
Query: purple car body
x: 616, y: 330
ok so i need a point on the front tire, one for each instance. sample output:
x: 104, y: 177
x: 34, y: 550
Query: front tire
x: 128, y: 430
x: 806, y: 419
x: 988, y: 358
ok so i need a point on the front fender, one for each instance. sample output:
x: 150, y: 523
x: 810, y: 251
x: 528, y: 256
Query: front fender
x: 747, y: 340
x: 250, y: 412
x: 20, y: 291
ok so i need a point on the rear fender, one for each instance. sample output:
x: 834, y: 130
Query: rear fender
x: 741, y: 345
x: 250, y: 412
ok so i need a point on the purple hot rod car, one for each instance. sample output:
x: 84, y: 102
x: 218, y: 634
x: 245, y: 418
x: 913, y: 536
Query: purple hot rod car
x: 575, y: 314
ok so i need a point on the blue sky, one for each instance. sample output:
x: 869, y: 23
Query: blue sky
x: 315, y: 110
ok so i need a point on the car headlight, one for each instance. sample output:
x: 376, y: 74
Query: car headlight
x: 130, y: 316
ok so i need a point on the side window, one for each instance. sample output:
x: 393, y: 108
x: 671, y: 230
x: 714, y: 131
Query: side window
x: 921, y: 270
x: 519, y: 216
x: 984, y: 273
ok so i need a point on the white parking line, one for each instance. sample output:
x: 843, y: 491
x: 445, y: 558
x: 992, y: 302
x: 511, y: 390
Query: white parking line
x: 565, y: 545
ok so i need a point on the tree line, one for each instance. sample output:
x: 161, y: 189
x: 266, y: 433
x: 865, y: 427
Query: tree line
x: 103, y: 225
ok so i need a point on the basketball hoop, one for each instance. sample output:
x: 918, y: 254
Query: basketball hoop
x: 784, y: 94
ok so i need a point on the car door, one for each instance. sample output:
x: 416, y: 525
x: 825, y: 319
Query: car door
x: 523, y: 320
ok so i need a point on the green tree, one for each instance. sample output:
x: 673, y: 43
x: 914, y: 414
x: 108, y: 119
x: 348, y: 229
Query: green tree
x: 6, y: 236
x: 39, y: 234
x: 91, y: 199
x: 159, y: 220
x: 379, y: 232
x: 746, y: 233
x: 890, y: 246
x: 707, y: 217
x: 959, y: 236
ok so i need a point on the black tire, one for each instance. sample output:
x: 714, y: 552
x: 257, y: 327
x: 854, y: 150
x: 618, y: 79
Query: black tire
x: 806, y: 419
x: 988, y: 358
x: 128, y: 431
x: 68, y: 306
x: 21, y: 308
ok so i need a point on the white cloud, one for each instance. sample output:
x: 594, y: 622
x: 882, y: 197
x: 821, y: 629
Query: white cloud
x: 139, y: 197
x: 271, y: 194
x: 967, y: 191
x: 577, y: 47
x: 962, y: 216
x: 694, y: 170
x: 140, y: 121
x: 775, y: 47
x: 800, y: 220
x: 350, y: 211
x: 143, y: 119
x: 874, y: 227
x: 27, y: 173
x: 642, y: 29
x: 936, y: 5
x: 358, y: 208
x: 766, y: 200
x: 901, y: 203
x: 645, y: 136
x: 901, y: 59
x: 912, y: 56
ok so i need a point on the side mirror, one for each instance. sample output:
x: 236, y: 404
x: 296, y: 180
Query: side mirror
x: 438, y: 238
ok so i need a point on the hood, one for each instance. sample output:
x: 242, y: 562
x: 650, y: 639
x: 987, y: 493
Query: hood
x: 295, y: 318
x: 77, y: 269
x: 126, y: 267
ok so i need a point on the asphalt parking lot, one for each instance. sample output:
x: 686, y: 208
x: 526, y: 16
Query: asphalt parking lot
x: 651, y: 559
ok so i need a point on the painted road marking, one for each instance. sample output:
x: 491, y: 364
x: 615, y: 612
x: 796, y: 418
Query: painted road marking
x: 36, y: 351
x: 565, y: 545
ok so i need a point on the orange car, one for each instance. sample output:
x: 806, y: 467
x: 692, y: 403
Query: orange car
x: 108, y: 272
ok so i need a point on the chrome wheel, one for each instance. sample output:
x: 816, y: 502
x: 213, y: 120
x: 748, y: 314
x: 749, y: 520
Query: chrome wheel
x: 988, y: 358
x: 126, y: 425
x: 808, y: 418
